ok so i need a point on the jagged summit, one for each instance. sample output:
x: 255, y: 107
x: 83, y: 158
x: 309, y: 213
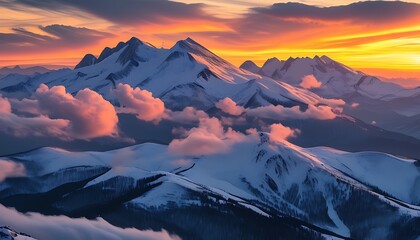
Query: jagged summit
x: 90, y: 59
x: 250, y: 66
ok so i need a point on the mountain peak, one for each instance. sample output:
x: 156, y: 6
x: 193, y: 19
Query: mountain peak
x: 87, y: 60
x: 189, y: 44
x: 134, y: 40
x: 250, y: 66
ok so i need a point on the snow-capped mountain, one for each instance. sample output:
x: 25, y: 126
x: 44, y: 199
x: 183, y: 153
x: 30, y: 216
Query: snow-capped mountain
x: 184, y: 74
x: 385, y: 104
x: 337, y: 80
x: 6, y: 233
x: 333, y: 192
x: 23, y: 71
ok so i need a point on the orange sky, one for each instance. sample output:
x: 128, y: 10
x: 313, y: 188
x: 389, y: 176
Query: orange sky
x: 384, y: 42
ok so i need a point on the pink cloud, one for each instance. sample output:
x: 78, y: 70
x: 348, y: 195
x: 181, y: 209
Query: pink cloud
x: 22, y: 126
x: 188, y: 114
x: 309, y: 82
x: 139, y: 102
x: 59, y: 114
x: 10, y: 169
x: 280, y: 112
x: 355, y: 104
x: 5, y: 105
x: 61, y: 227
x: 227, y: 105
x: 280, y: 133
x: 208, y: 138
x: 89, y: 115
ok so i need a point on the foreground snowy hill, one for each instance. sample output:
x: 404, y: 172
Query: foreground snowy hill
x: 329, y: 192
x: 385, y: 104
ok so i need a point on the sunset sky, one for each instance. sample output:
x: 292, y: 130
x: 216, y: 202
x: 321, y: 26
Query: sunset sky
x: 377, y: 37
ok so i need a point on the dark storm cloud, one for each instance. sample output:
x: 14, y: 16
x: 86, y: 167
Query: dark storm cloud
x: 370, y: 11
x: 119, y: 11
x: 57, y: 36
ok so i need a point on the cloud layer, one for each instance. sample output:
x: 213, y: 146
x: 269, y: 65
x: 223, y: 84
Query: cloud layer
x: 281, y: 113
x: 10, y: 169
x: 227, y: 105
x: 65, y: 228
x: 89, y: 115
x: 59, y: 114
x: 280, y: 133
x: 208, y: 138
x: 309, y: 82
x: 139, y: 102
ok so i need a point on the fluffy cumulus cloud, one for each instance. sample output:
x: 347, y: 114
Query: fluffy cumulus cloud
x: 309, y: 82
x: 65, y: 228
x: 22, y: 126
x: 279, y: 132
x: 227, y: 105
x: 280, y: 113
x: 11, y: 169
x: 208, y: 138
x: 89, y: 115
x: 5, y: 106
x: 139, y: 102
x: 187, y: 115
x: 57, y: 113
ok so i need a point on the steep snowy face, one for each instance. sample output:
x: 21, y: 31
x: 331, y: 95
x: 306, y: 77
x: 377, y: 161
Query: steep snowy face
x: 337, y: 80
x: 320, y: 186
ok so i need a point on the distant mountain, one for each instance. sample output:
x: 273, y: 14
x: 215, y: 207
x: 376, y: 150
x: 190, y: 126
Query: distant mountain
x: 386, y: 104
x: 187, y: 74
x: 337, y: 80
x: 306, y: 193
x: 23, y: 71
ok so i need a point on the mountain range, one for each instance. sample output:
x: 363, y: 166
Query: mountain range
x: 254, y: 186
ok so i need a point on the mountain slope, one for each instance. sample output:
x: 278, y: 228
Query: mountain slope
x: 337, y: 80
x: 370, y: 99
x: 320, y: 186
x: 186, y: 72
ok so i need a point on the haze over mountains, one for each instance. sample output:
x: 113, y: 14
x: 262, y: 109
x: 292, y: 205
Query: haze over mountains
x: 239, y: 150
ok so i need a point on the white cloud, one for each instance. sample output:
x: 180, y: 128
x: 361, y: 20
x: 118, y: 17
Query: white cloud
x: 65, y: 228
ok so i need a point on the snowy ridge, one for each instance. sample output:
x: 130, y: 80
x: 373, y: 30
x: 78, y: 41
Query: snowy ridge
x: 271, y: 179
x: 187, y: 69
x: 337, y: 80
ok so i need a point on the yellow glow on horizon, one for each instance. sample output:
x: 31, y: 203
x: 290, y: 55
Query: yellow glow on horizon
x: 393, y: 46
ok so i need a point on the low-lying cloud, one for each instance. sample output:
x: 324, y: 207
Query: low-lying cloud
x: 281, y: 113
x: 208, y: 138
x: 280, y: 133
x: 57, y: 113
x: 65, y: 228
x: 227, y: 105
x: 310, y: 82
x: 10, y: 169
x: 139, y: 102
x: 89, y: 114
x: 187, y: 115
